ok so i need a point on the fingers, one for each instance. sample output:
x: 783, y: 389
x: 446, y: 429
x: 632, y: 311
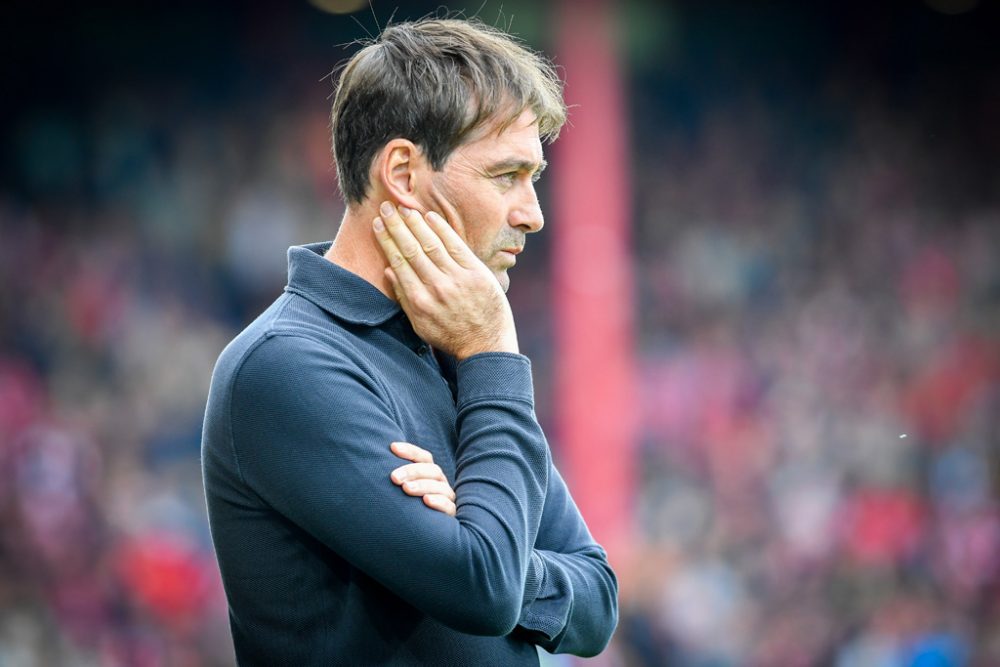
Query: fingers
x: 453, y: 243
x: 408, y: 249
x: 437, y: 493
x: 402, y: 274
x: 423, y: 487
x: 425, y: 242
x: 429, y: 240
x: 413, y: 471
x: 440, y: 503
x: 411, y: 452
x: 423, y: 478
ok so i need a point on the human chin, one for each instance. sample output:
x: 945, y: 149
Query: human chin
x: 502, y: 278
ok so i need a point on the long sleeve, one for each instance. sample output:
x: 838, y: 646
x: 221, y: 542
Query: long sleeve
x: 575, y: 609
x: 311, y: 434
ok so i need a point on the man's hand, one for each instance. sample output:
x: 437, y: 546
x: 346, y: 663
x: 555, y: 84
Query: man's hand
x: 423, y: 477
x: 452, y: 299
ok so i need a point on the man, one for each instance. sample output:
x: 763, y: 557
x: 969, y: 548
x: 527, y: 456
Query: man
x: 396, y: 343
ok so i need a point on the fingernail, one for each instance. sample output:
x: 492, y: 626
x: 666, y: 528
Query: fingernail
x: 403, y: 211
x: 412, y: 486
x: 398, y: 477
x: 378, y: 225
x: 386, y: 209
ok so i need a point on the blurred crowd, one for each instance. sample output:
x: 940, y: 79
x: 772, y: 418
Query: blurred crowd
x: 818, y: 339
x: 820, y: 354
x: 145, y: 244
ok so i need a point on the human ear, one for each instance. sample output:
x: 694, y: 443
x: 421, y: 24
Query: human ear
x: 399, y: 170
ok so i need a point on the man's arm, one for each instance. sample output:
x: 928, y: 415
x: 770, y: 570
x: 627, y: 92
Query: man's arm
x: 310, y: 433
x: 310, y: 429
x: 576, y: 607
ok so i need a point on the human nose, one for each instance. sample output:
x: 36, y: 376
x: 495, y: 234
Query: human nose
x: 527, y: 215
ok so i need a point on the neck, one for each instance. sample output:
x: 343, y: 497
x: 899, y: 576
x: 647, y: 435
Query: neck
x: 356, y: 249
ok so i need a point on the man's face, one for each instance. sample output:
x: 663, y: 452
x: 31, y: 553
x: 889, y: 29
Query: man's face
x: 486, y: 191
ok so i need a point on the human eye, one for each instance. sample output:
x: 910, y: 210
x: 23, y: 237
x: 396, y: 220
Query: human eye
x: 507, y: 179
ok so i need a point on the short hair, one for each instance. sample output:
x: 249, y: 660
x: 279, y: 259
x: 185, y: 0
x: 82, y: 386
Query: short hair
x: 434, y: 82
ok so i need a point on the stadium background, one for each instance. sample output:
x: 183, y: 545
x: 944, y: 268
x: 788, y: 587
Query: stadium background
x: 770, y: 361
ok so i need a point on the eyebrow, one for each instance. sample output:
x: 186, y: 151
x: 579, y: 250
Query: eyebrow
x: 515, y: 164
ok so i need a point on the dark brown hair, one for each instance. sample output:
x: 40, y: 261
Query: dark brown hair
x: 434, y: 82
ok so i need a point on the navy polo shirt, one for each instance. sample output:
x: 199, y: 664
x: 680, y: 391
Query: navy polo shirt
x: 324, y: 560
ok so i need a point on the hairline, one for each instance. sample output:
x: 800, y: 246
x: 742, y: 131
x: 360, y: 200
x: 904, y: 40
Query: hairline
x: 490, y: 109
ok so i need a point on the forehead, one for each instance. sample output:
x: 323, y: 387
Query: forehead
x: 519, y: 140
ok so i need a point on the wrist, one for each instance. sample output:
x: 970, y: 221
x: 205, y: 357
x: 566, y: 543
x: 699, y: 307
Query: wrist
x: 507, y: 343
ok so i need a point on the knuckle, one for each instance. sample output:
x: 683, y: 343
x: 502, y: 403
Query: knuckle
x: 444, y: 290
x: 420, y: 302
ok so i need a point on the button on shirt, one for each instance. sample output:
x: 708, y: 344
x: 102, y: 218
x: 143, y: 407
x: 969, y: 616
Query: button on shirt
x: 324, y: 560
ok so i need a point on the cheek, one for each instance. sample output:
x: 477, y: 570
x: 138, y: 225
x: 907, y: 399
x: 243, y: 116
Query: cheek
x: 453, y: 204
x: 493, y: 233
x: 484, y: 220
x: 477, y: 211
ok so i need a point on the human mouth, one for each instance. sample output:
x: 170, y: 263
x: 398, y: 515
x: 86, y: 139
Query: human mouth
x: 509, y: 255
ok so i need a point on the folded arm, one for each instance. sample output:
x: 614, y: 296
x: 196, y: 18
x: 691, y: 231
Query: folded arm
x: 297, y: 431
x: 575, y: 609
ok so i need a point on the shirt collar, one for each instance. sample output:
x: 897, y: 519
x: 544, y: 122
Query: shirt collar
x: 336, y: 290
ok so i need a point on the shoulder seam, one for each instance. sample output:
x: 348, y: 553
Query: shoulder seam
x: 265, y: 336
x: 229, y: 407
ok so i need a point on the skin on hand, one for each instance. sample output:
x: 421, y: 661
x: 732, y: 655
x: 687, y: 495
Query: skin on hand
x: 423, y: 478
x: 453, y: 300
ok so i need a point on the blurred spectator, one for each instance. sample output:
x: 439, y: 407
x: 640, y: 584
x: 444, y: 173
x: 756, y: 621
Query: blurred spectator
x: 819, y: 337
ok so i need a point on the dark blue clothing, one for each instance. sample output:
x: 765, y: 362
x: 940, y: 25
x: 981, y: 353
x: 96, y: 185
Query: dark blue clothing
x: 324, y: 560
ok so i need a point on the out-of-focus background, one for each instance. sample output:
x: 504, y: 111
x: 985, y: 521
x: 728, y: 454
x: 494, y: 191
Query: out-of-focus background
x: 766, y: 348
